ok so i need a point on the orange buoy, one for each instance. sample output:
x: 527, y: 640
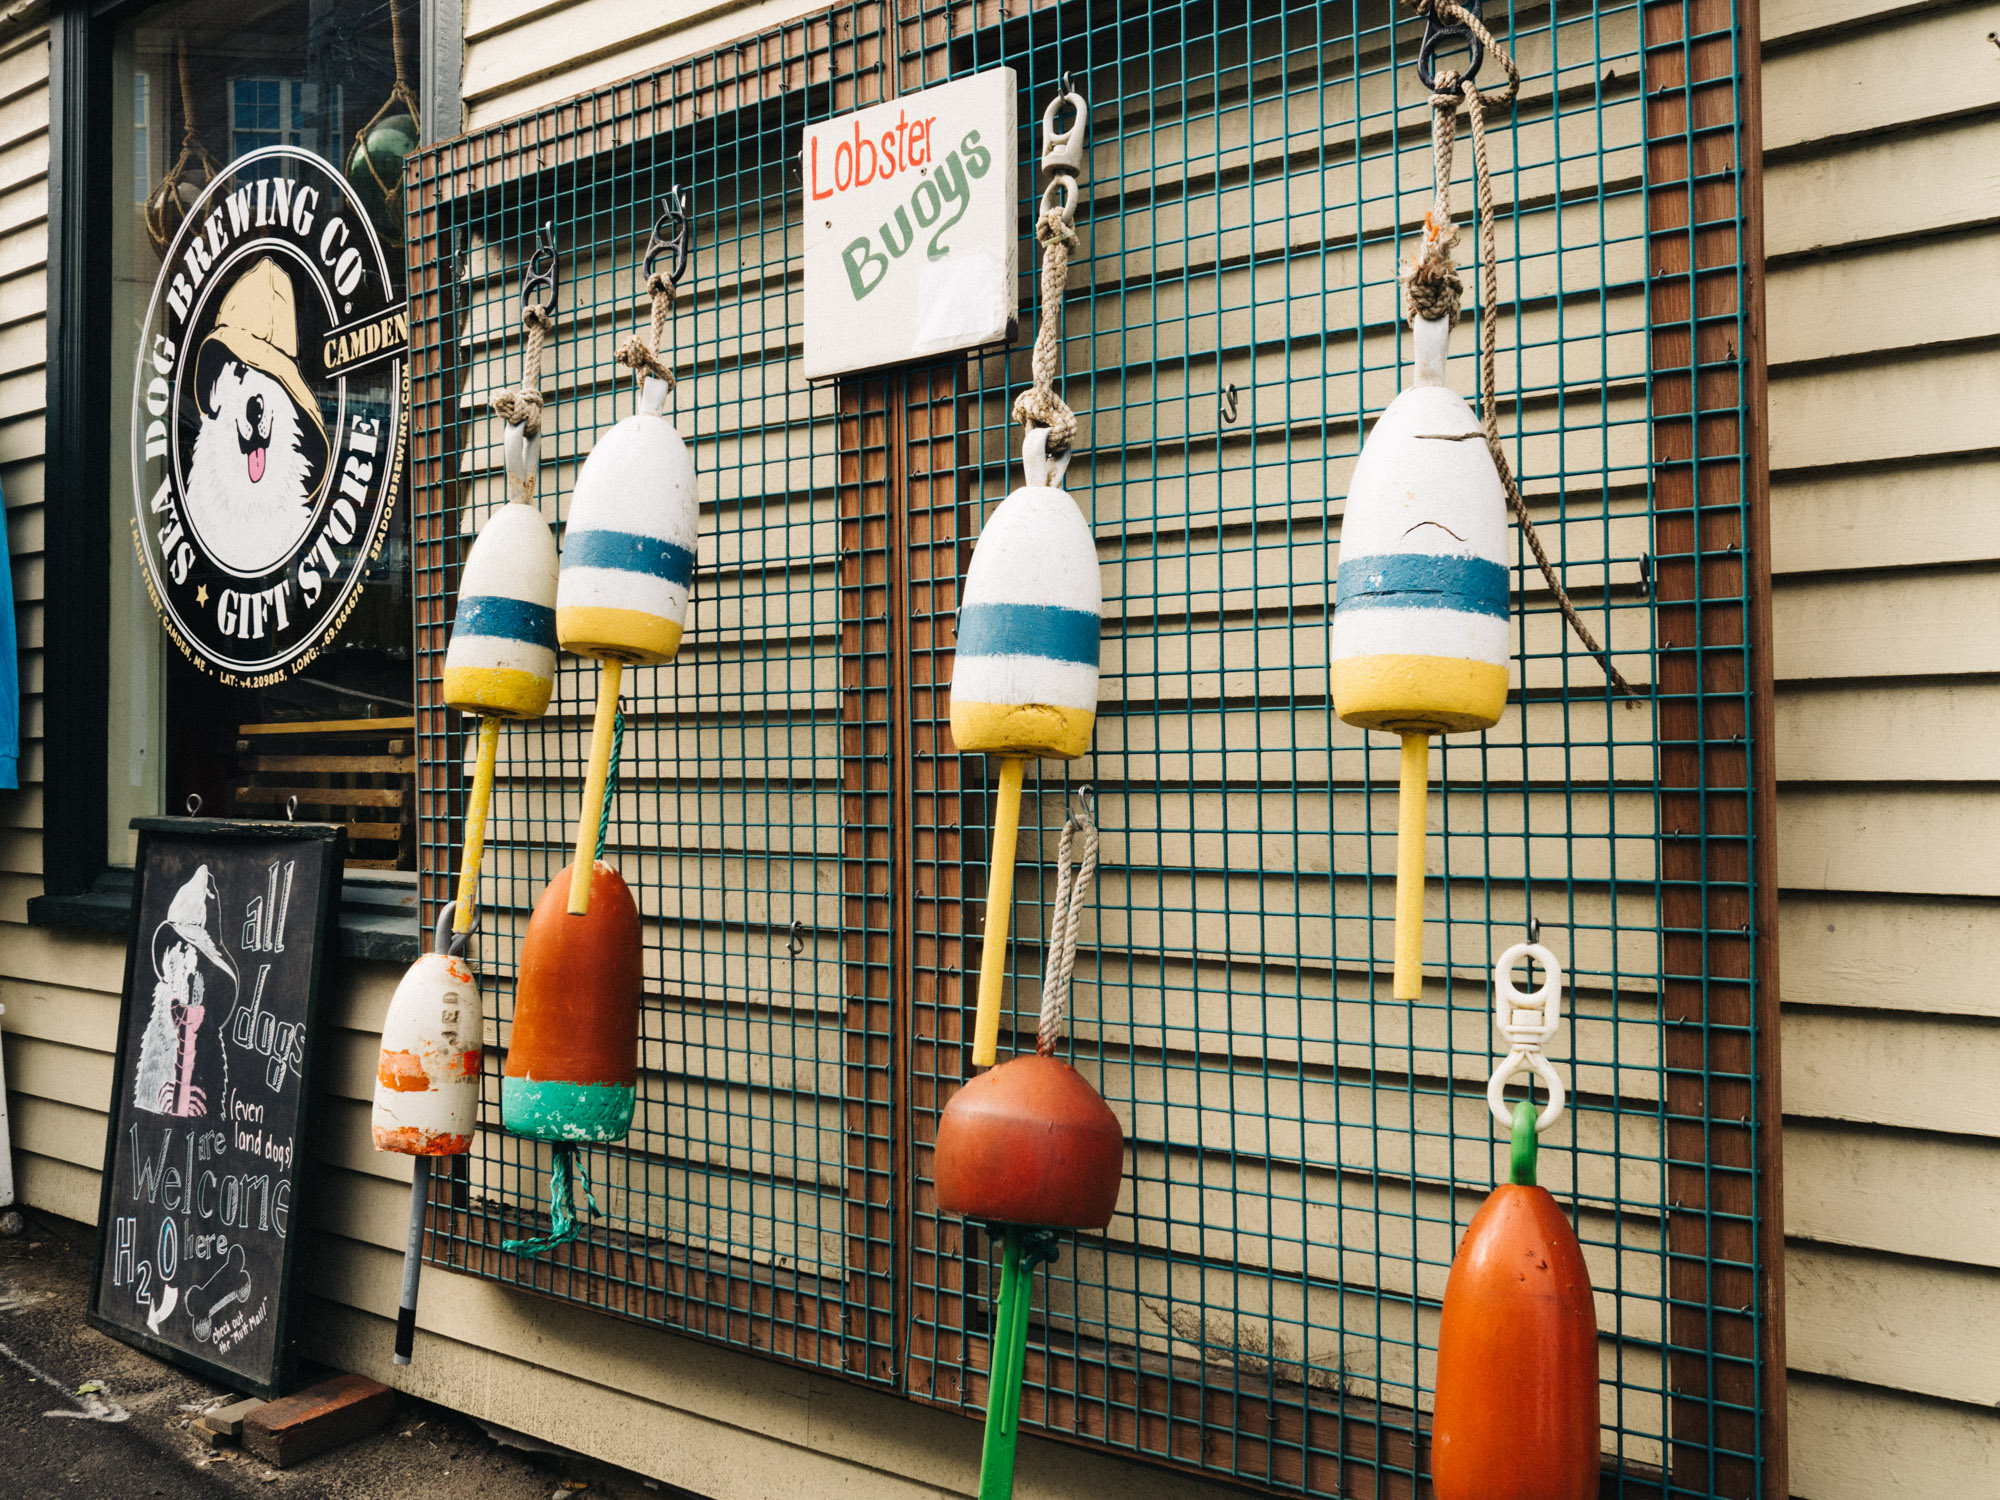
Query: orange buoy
x: 1030, y: 1142
x: 1517, y: 1415
x: 572, y: 1068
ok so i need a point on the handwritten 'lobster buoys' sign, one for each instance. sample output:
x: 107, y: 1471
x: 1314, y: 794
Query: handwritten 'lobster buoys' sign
x: 572, y: 1069
x: 427, y: 1074
x: 1421, y: 601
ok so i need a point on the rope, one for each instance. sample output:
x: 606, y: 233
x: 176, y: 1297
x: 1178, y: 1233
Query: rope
x: 1039, y: 405
x: 562, y: 1204
x: 164, y: 209
x: 610, y: 780
x: 523, y: 407
x: 400, y: 93
x: 1072, y: 890
x: 1433, y: 289
x: 639, y: 355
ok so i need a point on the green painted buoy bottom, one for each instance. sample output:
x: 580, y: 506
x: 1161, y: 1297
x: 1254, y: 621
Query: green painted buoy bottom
x: 548, y: 1109
x: 1003, y: 1383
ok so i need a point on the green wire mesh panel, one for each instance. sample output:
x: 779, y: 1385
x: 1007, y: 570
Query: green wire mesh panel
x: 808, y: 848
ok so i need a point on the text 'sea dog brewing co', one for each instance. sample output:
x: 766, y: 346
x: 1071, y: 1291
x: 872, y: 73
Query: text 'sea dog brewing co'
x: 267, y: 418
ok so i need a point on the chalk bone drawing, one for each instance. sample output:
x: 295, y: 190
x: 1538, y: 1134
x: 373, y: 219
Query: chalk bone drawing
x: 165, y: 1083
x: 229, y: 1286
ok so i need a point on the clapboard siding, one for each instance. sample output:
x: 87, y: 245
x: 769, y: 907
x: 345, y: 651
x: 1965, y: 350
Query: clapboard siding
x: 1883, y: 210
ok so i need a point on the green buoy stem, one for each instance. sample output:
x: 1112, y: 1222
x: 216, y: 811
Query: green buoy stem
x: 1003, y: 1385
x: 1522, y: 1170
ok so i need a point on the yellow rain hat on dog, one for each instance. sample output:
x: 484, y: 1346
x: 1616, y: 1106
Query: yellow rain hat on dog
x: 258, y: 325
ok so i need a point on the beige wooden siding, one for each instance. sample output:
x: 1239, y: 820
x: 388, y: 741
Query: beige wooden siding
x: 523, y: 54
x: 1882, y: 123
x: 60, y: 1021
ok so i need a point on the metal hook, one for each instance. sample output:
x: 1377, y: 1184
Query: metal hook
x: 451, y: 943
x: 1083, y: 805
x: 1229, y: 405
x: 797, y: 944
x: 292, y: 809
x: 1062, y: 150
x: 541, y: 271
x: 1439, y: 34
x: 193, y: 804
x: 1535, y: 930
x: 673, y: 234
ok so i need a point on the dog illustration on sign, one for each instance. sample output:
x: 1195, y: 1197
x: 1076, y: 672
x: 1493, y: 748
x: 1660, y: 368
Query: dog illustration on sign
x: 167, y: 1051
x: 260, y: 457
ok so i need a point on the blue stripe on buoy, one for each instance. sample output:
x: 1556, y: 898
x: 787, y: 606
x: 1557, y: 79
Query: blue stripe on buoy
x: 511, y: 619
x: 628, y: 552
x: 1045, y: 630
x: 1422, y: 580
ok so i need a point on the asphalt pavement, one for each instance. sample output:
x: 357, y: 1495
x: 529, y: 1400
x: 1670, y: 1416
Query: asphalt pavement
x: 82, y: 1414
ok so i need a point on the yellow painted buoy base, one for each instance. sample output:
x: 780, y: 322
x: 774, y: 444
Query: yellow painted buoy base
x: 1418, y: 694
x: 1029, y: 731
x: 628, y: 635
x: 497, y: 692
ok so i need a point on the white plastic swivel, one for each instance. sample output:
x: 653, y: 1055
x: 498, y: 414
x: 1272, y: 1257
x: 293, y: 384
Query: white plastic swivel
x: 1527, y: 1022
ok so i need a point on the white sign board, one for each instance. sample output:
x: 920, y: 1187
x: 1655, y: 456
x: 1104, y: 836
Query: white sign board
x: 910, y: 226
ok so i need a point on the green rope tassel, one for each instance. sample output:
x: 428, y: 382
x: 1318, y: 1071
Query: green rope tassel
x: 562, y: 1204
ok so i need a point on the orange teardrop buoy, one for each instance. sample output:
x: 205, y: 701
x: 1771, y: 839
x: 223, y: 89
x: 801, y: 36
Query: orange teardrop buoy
x: 1030, y: 1142
x: 1517, y: 1359
x: 572, y: 1069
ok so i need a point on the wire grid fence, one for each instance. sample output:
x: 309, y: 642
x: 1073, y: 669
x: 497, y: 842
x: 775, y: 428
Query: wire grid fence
x: 806, y: 844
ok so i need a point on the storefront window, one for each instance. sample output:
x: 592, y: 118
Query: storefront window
x: 205, y: 83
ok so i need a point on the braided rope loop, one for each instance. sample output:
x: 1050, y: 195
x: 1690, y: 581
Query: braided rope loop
x: 1072, y: 890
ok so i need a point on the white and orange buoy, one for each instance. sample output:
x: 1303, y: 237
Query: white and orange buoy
x: 1421, y: 602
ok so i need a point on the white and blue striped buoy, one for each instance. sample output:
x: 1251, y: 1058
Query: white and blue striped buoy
x: 629, y: 547
x: 502, y: 658
x: 1024, y: 674
x: 1420, y: 637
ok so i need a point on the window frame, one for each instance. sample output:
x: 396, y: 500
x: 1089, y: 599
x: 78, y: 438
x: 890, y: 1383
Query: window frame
x: 82, y: 434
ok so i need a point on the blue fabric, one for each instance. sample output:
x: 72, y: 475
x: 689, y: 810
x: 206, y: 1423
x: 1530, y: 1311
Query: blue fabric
x: 1423, y: 580
x: 1045, y: 630
x: 10, y: 675
x: 628, y: 552
x: 510, y: 619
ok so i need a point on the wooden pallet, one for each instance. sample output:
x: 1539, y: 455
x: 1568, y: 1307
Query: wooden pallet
x: 357, y: 772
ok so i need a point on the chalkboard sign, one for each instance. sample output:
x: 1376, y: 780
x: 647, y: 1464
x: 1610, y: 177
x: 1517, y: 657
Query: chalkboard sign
x: 202, y: 1170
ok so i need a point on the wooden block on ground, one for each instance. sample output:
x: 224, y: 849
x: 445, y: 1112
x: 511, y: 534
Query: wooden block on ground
x: 323, y: 1416
x: 227, y: 1421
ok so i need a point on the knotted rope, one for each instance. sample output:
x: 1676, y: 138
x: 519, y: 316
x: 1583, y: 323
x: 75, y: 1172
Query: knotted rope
x: 522, y: 407
x: 1039, y: 405
x: 1072, y: 890
x: 637, y: 353
x: 403, y: 97
x: 1432, y: 287
x: 164, y: 206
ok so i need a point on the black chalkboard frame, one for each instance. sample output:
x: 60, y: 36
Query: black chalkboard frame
x: 331, y: 842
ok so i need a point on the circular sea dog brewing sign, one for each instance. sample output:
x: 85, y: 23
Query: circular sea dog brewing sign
x: 267, y: 417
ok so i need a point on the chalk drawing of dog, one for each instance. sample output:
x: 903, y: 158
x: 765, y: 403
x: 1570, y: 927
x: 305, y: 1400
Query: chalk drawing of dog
x: 249, y: 488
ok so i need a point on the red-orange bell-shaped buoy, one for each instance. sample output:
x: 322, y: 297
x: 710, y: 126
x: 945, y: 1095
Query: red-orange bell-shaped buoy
x: 1517, y: 1415
x: 1030, y: 1142
x: 572, y: 1068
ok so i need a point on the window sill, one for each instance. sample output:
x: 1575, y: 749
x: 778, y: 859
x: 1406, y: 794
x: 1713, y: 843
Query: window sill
x: 377, y: 918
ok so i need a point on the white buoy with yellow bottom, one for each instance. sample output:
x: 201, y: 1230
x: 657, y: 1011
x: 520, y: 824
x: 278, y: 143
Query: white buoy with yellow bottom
x: 1024, y: 675
x: 1420, y: 625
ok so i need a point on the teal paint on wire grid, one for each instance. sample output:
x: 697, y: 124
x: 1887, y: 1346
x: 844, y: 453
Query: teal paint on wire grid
x: 1305, y: 1151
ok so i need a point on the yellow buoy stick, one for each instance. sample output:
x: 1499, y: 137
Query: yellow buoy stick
x: 592, y: 812
x: 1411, y: 799
x: 475, y: 825
x: 999, y: 912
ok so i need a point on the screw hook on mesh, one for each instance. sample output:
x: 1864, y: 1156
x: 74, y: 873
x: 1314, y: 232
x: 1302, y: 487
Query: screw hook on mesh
x: 1526, y: 1022
x: 538, y: 287
x: 1440, y: 33
x: 796, y: 943
x: 453, y: 943
x: 673, y: 235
